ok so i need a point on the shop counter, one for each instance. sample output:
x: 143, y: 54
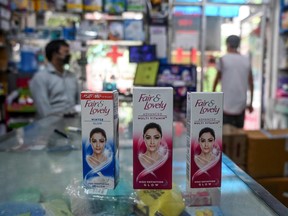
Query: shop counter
x: 39, y: 164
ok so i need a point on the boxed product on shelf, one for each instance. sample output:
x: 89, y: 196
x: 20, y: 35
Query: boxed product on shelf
x: 278, y: 187
x: 92, y: 5
x: 133, y: 30
x: 204, y: 139
x: 136, y: 5
x: 115, y: 30
x: 235, y: 144
x: 74, y: 5
x: 114, y: 6
x: 267, y: 153
x: 152, y: 137
x: 100, y: 139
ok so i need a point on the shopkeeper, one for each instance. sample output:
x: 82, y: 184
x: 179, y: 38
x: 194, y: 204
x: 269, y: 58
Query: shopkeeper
x: 55, y: 91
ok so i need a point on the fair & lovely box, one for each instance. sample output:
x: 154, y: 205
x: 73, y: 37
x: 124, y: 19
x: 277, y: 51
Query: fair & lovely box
x: 204, y: 139
x: 99, y: 118
x: 152, y: 137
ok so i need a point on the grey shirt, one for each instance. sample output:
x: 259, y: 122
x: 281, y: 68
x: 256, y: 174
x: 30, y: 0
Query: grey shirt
x: 53, y: 92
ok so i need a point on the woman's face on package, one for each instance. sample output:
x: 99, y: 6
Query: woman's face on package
x: 98, y: 142
x: 152, y: 139
x: 206, y: 141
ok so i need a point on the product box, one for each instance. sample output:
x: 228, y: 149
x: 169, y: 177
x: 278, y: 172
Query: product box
x: 267, y: 154
x: 204, y: 139
x: 136, y: 5
x: 278, y: 187
x: 152, y: 137
x: 114, y: 6
x: 99, y: 118
x: 74, y: 5
x: 234, y: 144
x: 133, y: 30
x: 92, y: 5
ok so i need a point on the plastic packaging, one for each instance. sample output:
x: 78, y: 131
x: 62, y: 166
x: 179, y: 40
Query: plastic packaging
x: 161, y: 202
x: 98, y: 201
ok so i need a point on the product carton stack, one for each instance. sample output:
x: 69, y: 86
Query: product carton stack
x: 267, y: 160
x: 235, y: 145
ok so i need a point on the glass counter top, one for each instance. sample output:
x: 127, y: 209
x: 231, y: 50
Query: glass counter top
x: 36, y: 158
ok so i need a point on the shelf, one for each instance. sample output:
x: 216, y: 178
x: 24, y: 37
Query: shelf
x: 127, y: 15
x: 115, y: 42
x: 38, y: 41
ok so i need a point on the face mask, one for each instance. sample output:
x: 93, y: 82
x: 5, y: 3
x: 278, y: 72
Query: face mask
x: 66, y: 60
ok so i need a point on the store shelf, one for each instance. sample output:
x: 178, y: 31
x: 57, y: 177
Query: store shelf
x: 116, y: 42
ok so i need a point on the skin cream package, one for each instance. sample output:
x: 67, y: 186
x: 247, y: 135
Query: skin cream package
x: 100, y: 140
x: 204, y: 139
x: 152, y: 137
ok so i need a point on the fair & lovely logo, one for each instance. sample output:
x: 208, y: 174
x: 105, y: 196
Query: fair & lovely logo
x: 152, y: 102
x: 97, y: 107
x: 207, y: 106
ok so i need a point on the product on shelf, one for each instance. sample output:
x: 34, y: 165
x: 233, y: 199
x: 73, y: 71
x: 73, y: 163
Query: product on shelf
x: 100, y: 139
x: 114, y: 6
x: 115, y: 30
x: 142, y: 53
x: 92, y: 5
x: 133, y: 30
x: 74, y: 5
x: 204, y: 139
x: 152, y: 137
x: 136, y: 5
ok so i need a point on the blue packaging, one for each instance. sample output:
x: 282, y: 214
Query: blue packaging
x: 100, y: 140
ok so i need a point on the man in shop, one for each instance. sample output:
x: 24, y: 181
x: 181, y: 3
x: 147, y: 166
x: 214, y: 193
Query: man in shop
x: 55, y: 91
x: 234, y: 71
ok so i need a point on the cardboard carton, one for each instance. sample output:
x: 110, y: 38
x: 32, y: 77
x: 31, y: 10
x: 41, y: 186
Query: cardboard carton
x: 267, y: 154
x: 235, y: 144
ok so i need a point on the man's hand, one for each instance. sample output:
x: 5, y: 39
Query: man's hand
x: 250, y: 108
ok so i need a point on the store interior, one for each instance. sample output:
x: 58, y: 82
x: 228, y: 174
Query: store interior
x: 116, y: 45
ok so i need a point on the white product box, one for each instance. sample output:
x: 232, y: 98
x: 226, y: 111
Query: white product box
x: 99, y: 118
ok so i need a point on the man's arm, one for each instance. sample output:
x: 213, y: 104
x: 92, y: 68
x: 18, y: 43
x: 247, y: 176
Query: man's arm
x: 251, y: 88
x: 217, y: 79
x: 39, y: 94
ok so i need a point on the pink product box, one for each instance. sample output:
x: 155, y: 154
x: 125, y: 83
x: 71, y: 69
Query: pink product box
x: 204, y: 139
x: 152, y: 137
x: 100, y: 140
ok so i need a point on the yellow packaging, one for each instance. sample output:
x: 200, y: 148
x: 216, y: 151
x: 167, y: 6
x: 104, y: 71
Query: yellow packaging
x: 165, y: 202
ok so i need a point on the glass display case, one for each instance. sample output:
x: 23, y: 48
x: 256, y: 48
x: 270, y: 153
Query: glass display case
x: 40, y: 165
